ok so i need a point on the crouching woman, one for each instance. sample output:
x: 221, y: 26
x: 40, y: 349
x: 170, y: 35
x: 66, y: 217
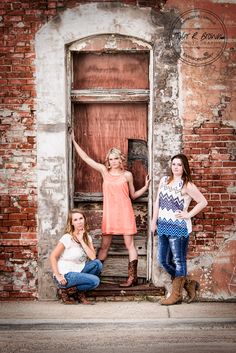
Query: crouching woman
x: 73, y: 261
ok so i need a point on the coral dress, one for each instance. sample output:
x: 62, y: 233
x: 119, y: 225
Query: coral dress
x: 118, y: 214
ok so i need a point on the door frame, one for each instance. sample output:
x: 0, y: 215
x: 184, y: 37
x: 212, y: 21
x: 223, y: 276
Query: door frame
x: 79, y: 46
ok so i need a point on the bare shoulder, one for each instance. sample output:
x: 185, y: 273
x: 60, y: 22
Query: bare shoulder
x: 190, y: 188
x: 102, y: 169
x: 128, y: 175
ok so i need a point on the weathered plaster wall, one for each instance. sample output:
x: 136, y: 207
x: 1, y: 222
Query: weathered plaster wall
x: 193, y: 111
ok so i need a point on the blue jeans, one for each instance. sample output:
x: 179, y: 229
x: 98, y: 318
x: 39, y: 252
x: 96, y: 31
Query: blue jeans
x: 172, y: 253
x: 85, y: 280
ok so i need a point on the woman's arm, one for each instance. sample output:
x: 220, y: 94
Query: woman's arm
x: 56, y: 253
x: 135, y: 194
x: 89, y: 249
x: 83, y: 155
x: 198, y: 197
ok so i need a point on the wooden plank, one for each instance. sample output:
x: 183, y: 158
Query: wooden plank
x: 108, y: 96
x: 118, y: 266
x: 106, y: 290
x: 111, y: 70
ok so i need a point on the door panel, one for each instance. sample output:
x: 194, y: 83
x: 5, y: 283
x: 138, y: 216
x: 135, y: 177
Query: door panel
x: 103, y: 70
x: 98, y: 127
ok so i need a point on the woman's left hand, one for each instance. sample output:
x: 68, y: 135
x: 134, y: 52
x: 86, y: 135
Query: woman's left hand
x: 147, y: 181
x: 182, y: 215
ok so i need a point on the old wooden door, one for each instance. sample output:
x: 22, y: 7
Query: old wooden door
x: 109, y: 107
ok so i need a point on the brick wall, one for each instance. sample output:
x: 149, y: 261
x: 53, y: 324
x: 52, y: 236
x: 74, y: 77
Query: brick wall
x: 208, y: 139
x: 211, y: 148
x: 19, y: 21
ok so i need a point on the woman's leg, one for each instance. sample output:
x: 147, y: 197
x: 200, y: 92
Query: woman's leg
x: 179, y: 248
x: 165, y: 256
x: 129, y: 243
x: 65, y: 294
x: 133, y: 262
x: 106, y: 242
x: 82, y: 281
x: 93, y: 267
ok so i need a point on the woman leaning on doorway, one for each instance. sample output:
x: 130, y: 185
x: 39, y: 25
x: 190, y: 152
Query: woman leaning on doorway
x: 118, y: 214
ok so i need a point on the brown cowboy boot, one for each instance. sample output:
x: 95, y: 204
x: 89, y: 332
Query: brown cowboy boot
x: 176, y: 296
x: 191, y: 286
x: 65, y: 293
x: 132, y: 275
x: 81, y: 296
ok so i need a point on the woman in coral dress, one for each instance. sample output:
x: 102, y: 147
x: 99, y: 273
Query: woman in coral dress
x: 118, y: 214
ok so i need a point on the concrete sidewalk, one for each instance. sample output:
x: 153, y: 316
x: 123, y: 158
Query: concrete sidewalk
x: 53, y: 312
x: 117, y: 327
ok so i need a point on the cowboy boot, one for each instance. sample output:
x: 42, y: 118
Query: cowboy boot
x: 64, y: 295
x: 132, y: 275
x: 72, y: 291
x: 176, y: 296
x: 81, y: 297
x: 191, y: 286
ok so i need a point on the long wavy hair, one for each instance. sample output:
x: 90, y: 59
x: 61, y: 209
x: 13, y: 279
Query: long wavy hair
x: 117, y: 152
x: 186, y: 176
x: 70, y: 228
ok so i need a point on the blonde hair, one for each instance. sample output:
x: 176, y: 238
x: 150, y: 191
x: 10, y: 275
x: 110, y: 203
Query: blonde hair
x: 70, y: 228
x: 117, y: 152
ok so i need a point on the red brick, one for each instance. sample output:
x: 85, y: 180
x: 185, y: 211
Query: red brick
x: 17, y: 216
x: 28, y: 235
x: 9, y: 235
x: 205, y: 131
x: 6, y: 269
x: 224, y: 131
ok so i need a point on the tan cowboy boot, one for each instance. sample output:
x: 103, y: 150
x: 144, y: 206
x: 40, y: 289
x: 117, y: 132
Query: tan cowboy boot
x: 176, y: 296
x: 191, y: 286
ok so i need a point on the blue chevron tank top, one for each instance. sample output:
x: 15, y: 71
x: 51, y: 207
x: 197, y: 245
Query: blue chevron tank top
x: 171, y: 200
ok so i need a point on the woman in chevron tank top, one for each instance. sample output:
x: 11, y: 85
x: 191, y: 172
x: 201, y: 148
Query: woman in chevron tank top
x: 173, y: 223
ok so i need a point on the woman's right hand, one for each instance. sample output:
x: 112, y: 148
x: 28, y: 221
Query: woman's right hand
x: 80, y: 235
x: 61, y: 279
x: 153, y: 227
